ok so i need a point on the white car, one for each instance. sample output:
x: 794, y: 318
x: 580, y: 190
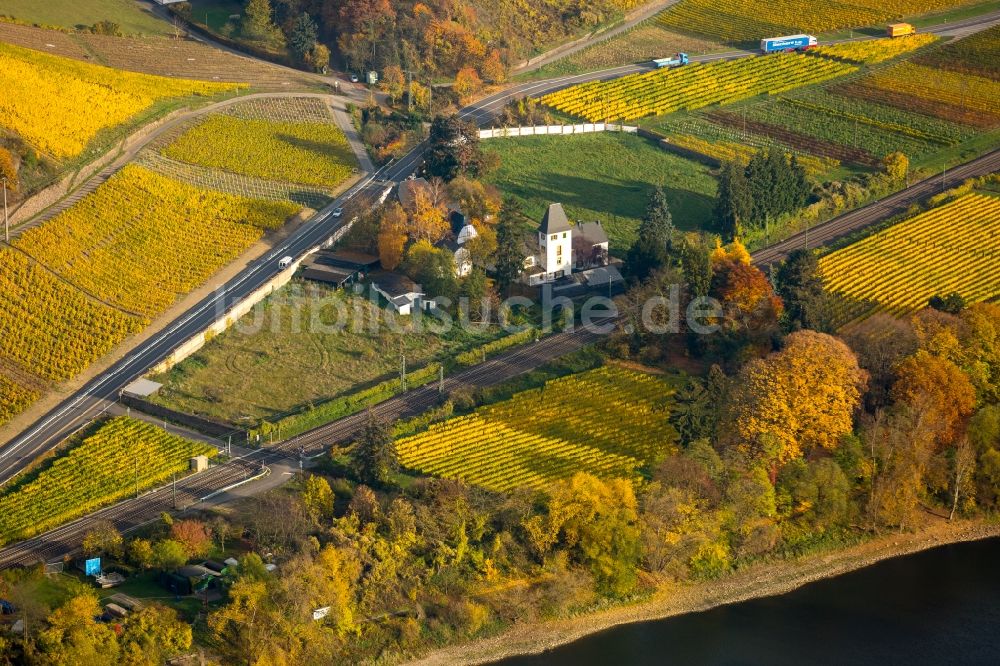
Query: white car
x: 354, y: 78
x: 338, y: 212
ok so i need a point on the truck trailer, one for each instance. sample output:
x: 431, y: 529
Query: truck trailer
x: 676, y: 61
x: 788, y: 43
x: 900, y: 30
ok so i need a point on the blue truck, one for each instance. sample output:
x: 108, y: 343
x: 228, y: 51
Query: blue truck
x: 788, y: 43
x: 676, y: 61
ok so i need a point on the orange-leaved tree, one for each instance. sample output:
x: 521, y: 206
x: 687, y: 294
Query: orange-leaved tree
x: 938, y: 392
x: 796, y: 400
x: 392, y: 236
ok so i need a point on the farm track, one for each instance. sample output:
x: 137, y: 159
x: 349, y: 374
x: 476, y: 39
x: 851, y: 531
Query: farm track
x: 94, y: 397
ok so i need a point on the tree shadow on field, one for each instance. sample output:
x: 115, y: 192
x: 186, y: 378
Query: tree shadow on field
x: 612, y: 197
x: 340, y: 153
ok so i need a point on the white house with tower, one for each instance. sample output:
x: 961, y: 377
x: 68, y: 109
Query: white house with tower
x: 563, y: 247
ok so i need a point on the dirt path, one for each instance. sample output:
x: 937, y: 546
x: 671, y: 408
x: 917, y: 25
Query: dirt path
x: 761, y: 580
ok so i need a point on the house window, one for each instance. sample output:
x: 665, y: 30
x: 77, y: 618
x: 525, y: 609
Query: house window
x: 559, y: 252
x: 555, y: 236
x: 564, y: 234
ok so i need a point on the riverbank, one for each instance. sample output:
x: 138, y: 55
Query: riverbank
x: 762, y: 580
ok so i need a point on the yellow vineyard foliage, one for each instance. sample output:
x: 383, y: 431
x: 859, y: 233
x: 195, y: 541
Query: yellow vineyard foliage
x: 727, y: 151
x: 310, y: 153
x: 693, y: 86
x: 14, y: 399
x: 59, y: 105
x: 749, y: 20
x: 953, y: 88
x: 870, y: 52
x: 99, y: 471
x: 142, y: 239
x: 49, y: 328
x: 954, y: 248
x: 606, y: 422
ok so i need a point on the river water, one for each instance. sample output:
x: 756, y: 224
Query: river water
x: 941, y: 606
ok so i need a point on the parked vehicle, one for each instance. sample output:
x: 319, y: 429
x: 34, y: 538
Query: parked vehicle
x: 900, y: 30
x: 788, y: 43
x: 285, y: 262
x: 676, y: 61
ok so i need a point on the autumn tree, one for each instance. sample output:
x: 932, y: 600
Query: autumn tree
x: 432, y: 268
x: 467, y: 84
x: 393, y: 82
x: 360, y: 26
x: 747, y: 297
x: 881, y: 342
x: 479, y: 201
x: 428, y: 221
x: 169, y: 554
x: 374, y: 453
x: 493, y: 69
x: 797, y: 400
x: 896, y: 166
x: 193, y: 536
x: 140, y: 553
x: 938, y: 391
x: 318, y: 497
x: 392, y: 236
x: 154, y: 634
x: 72, y: 635
x: 8, y: 170
x: 103, y: 539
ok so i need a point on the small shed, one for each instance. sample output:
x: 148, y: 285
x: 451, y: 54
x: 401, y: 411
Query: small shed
x: 199, y: 463
x: 141, y: 388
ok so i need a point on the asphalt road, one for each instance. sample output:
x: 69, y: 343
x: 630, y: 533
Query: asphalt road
x: 90, y: 400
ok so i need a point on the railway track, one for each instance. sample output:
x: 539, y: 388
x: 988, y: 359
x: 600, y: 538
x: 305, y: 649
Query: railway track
x: 824, y: 234
x: 192, y: 490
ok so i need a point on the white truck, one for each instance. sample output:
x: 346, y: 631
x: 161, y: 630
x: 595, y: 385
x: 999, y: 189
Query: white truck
x: 285, y: 262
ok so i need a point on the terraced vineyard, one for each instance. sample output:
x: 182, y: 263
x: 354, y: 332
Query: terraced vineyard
x: 49, y: 328
x: 609, y: 422
x: 102, y: 469
x: 313, y: 152
x: 953, y: 248
x: 141, y: 240
x: 749, y: 21
x: 59, y: 105
x: 693, y: 86
x: 161, y: 56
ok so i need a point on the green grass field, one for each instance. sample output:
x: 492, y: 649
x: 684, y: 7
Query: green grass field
x: 276, y: 358
x: 603, y: 176
x: 131, y: 16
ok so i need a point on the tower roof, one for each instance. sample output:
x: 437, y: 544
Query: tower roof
x: 555, y: 220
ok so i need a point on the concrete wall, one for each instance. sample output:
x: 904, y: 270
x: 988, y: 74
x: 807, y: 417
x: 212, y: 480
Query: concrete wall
x: 545, y: 130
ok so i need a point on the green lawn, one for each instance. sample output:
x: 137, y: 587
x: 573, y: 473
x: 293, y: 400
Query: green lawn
x: 602, y: 176
x: 264, y: 367
x: 130, y: 15
x: 214, y: 13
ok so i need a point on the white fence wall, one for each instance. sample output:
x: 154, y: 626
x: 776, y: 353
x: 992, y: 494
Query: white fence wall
x: 542, y: 130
